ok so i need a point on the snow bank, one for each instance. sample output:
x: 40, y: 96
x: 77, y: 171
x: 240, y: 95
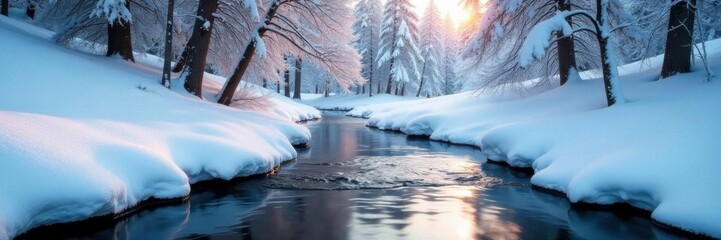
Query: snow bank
x: 351, y: 101
x: 659, y: 152
x: 85, y: 136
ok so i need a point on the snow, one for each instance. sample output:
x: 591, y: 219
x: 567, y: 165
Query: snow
x: 85, y: 135
x: 351, y: 101
x: 658, y: 152
x: 113, y: 10
x: 539, y: 39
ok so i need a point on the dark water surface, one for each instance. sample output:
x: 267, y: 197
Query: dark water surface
x: 360, y: 183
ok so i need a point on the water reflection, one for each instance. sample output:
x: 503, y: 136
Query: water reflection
x: 468, y: 200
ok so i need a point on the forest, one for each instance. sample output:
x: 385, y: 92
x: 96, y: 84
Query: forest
x: 270, y: 110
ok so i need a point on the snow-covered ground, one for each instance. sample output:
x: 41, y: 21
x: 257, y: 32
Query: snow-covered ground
x: 84, y: 135
x: 346, y: 102
x: 660, y: 152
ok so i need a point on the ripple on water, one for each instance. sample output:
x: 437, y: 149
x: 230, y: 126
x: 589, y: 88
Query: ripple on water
x: 378, y: 172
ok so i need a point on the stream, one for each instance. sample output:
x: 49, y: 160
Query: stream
x: 354, y: 182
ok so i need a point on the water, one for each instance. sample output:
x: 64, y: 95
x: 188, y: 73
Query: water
x: 360, y: 183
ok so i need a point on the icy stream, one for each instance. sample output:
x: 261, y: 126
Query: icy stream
x: 354, y: 182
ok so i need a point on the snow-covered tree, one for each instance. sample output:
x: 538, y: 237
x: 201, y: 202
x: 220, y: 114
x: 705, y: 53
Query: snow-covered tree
x: 199, y: 45
x: 538, y: 41
x: 316, y: 31
x: 168, y: 53
x: 398, y: 39
x: 450, y: 56
x: 368, y: 15
x: 119, y: 19
x: 498, y: 42
x: 431, y: 47
x: 75, y: 19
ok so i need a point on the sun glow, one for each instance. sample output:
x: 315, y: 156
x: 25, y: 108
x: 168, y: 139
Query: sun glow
x: 452, y: 8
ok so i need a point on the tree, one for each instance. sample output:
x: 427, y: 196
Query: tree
x: 679, y: 40
x: 565, y: 47
x: 398, y: 50
x: 168, y: 56
x: 450, y: 56
x: 118, y: 15
x: 30, y: 9
x: 4, y: 7
x: 431, y: 45
x: 534, y: 48
x: 368, y: 17
x: 286, y: 77
x: 198, y: 50
x: 297, y: 85
x: 317, y: 31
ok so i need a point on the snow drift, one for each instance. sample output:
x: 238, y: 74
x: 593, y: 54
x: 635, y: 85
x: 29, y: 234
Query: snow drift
x: 85, y: 135
x: 659, y: 152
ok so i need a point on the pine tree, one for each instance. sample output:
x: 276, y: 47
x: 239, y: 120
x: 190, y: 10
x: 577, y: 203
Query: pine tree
x: 398, y: 49
x: 366, y: 28
x: 450, y: 56
x: 431, y: 45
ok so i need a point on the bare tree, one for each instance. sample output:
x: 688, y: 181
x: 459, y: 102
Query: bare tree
x: 317, y: 31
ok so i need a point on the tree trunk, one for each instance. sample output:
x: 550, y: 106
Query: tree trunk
x: 5, y: 7
x: 298, y: 71
x: 370, y: 73
x: 390, y: 74
x: 183, y: 59
x: 198, y: 50
x: 316, y: 89
x: 277, y: 87
x: 608, y: 63
x: 244, y: 63
x: 403, y: 89
x: 363, y: 90
x: 566, y: 48
x: 379, y: 88
x: 119, y: 41
x: 30, y: 10
x: 168, y: 45
x: 286, y: 80
x: 679, y: 40
x: 423, y: 78
x: 327, y: 89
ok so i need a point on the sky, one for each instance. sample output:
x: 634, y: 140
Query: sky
x: 451, y: 7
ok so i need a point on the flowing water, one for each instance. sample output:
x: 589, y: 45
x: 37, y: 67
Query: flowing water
x: 354, y: 182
